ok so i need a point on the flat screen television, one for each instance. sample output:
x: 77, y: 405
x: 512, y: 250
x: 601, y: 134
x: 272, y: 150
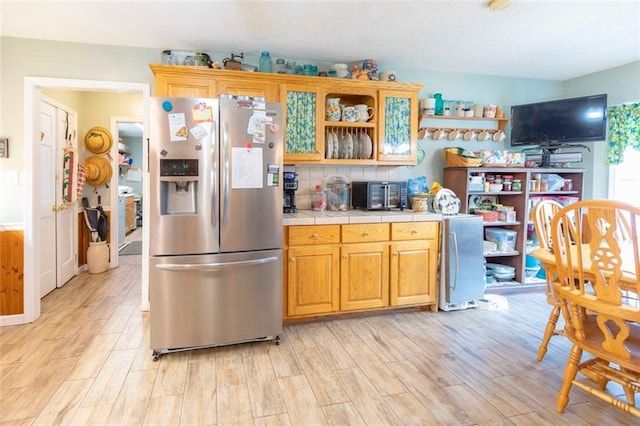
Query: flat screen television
x: 560, y: 122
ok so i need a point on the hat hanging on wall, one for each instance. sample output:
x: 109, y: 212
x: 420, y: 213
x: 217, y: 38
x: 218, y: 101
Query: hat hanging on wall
x: 98, y: 170
x: 98, y: 140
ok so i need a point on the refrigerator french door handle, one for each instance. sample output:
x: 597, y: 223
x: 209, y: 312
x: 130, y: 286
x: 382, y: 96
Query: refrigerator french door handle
x: 455, y: 258
x: 214, y: 266
x: 226, y: 147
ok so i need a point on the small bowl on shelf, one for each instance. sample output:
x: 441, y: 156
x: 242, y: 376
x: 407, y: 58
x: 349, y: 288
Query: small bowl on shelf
x: 495, y: 187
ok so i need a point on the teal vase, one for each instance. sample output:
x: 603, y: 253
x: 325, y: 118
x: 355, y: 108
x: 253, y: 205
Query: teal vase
x: 439, y: 110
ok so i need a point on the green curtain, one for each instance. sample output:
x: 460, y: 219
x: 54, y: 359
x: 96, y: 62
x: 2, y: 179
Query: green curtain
x: 624, y: 131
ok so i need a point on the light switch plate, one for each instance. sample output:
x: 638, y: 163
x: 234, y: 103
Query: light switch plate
x: 12, y: 177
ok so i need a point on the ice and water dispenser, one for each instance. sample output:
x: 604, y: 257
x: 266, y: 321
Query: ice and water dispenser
x: 178, y: 186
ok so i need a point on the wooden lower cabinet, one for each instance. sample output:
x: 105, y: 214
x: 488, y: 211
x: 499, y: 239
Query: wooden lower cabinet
x: 313, y: 270
x: 364, y: 276
x: 343, y: 268
x: 130, y: 214
x: 313, y: 278
x: 413, y: 272
x: 414, y: 263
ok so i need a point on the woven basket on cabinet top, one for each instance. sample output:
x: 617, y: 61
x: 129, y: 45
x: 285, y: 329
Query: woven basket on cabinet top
x: 459, y: 157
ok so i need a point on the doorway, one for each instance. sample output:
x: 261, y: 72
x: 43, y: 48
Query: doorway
x: 129, y: 131
x: 32, y: 257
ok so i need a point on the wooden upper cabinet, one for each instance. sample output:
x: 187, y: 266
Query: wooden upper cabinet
x: 303, y: 108
x: 252, y: 88
x: 390, y: 136
x: 398, y: 126
x: 201, y: 82
x: 185, y: 86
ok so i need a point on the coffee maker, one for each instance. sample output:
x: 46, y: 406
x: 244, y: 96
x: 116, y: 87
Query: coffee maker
x: 289, y: 192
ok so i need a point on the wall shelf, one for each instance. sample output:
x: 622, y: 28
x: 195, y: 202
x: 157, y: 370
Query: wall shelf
x: 501, y: 125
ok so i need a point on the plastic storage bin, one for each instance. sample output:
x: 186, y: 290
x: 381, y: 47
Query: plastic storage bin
x: 505, y: 239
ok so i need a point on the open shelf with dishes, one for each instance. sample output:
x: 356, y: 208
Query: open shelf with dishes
x: 445, y: 126
x: 350, y: 126
x: 464, y: 182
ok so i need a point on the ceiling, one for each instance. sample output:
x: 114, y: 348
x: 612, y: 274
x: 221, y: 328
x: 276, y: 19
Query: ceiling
x: 541, y: 39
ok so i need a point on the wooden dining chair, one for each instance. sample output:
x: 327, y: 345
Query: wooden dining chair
x: 597, y: 284
x: 543, y: 212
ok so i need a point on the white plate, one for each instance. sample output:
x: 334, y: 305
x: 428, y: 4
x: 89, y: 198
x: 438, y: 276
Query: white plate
x: 349, y: 147
x: 368, y: 147
x: 446, y: 202
x: 328, y: 152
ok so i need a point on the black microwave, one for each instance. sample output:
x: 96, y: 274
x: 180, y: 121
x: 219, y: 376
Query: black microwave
x: 379, y: 195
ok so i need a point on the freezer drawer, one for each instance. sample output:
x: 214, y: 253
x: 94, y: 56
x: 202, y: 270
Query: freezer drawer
x: 210, y: 300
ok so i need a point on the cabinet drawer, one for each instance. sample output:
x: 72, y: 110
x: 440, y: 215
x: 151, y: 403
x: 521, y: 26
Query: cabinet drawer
x: 312, y: 234
x: 414, y: 231
x: 365, y: 232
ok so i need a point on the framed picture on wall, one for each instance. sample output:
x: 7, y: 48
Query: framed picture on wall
x: 4, y: 147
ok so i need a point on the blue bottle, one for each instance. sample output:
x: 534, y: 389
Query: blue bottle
x: 265, y: 64
x: 439, y: 110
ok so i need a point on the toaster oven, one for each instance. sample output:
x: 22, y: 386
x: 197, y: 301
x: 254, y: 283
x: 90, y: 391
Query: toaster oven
x: 379, y: 195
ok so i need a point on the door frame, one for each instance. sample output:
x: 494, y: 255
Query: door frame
x: 32, y: 96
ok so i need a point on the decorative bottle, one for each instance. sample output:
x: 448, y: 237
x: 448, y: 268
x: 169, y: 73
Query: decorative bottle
x: 439, y: 104
x: 265, y: 64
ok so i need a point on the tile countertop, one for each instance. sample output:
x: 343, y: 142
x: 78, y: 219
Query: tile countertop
x: 310, y: 217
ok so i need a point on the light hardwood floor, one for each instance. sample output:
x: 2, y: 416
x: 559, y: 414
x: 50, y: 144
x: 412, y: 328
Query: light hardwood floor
x: 87, y: 361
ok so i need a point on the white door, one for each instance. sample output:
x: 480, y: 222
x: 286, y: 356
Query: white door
x: 66, y: 217
x: 57, y: 225
x: 48, y: 206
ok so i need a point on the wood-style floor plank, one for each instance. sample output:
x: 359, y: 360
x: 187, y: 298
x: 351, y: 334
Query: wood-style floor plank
x: 87, y: 360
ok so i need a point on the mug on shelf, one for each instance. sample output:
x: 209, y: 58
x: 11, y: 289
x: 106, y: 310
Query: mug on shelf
x: 438, y: 134
x: 350, y: 113
x: 498, y: 136
x: 454, y: 134
x: 366, y: 112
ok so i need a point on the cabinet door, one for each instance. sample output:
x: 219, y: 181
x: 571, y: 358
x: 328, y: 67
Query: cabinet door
x: 303, y: 111
x: 398, y: 141
x: 414, y: 272
x: 251, y: 88
x: 312, y: 280
x: 364, y: 276
x: 185, y: 86
x: 130, y: 214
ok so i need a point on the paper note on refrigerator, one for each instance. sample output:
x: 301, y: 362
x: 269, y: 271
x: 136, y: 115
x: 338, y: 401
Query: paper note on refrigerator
x: 246, y: 168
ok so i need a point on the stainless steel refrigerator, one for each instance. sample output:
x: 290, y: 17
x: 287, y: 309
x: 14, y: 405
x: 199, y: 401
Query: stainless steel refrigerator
x: 215, y: 267
x: 462, y: 283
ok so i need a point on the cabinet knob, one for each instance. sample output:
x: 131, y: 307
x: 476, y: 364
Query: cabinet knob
x: 414, y: 231
x: 345, y: 256
x: 314, y: 236
x: 292, y: 259
x: 365, y: 234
